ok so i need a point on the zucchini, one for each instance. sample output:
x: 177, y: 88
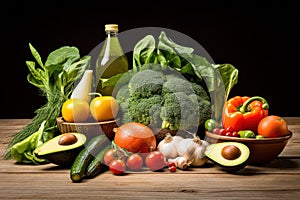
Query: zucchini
x: 96, y: 165
x: 85, y: 156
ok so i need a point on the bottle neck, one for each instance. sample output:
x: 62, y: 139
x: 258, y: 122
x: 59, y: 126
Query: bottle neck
x: 111, y: 33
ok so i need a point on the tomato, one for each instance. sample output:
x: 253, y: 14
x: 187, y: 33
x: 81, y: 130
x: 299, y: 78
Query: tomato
x: 117, y: 167
x: 272, y: 126
x: 109, y: 156
x: 222, y: 131
x: 229, y: 129
x: 104, y: 108
x: 155, y: 160
x: 216, y: 131
x: 172, y: 169
x: 75, y: 110
x: 172, y: 164
x: 135, y: 162
x: 135, y: 137
x: 235, y: 134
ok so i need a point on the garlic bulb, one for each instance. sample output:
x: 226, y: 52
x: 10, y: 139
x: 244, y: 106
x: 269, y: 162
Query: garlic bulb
x: 180, y: 162
x: 193, y: 149
x: 168, y: 146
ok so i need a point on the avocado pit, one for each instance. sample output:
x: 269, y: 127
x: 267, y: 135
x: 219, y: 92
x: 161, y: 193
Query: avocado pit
x: 62, y: 149
x: 231, y: 152
x: 67, y: 139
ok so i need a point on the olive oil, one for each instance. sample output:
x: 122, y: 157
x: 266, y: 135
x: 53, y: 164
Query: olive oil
x: 111, y: 60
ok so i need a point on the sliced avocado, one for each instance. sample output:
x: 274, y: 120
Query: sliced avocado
x: 229, y: 156
x: 62, y: 149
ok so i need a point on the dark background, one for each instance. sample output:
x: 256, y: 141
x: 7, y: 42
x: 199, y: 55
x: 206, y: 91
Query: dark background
x: 259, y: 39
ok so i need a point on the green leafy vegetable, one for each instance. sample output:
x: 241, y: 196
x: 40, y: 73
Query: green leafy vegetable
x: 217, y: 79
x: 55, y: 79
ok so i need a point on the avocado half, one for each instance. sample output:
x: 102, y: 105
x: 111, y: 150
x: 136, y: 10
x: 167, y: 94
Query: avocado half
x: 61, y: 154
x: 229, y: 156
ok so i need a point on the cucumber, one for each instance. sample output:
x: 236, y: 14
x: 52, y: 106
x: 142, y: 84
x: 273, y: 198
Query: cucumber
x: 85, y: 156
x: 96, y: 165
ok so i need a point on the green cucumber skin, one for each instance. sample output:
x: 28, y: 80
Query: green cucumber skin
x: 97, y: 165
x: 85, y: 156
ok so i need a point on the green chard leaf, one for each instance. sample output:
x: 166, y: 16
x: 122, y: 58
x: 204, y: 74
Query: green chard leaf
x: 144, y: 51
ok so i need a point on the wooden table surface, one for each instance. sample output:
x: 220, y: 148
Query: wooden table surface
x: 279, y: 179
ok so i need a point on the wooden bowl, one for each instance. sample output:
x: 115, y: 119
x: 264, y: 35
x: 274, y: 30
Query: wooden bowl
x: 262, y: 151
x: 90, y: 129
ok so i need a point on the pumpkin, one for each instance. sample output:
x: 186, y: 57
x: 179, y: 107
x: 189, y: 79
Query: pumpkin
x: 135, y: 137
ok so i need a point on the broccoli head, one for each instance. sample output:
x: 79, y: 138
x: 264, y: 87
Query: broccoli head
x: 200, y: 91
x: 178, y: 112
x: 145, y: 110
x: 165, y: 100
x: 176, y: 84
x: 146, y: 83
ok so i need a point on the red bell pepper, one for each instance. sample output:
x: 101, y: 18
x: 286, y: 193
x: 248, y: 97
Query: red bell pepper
x: 244, y: 113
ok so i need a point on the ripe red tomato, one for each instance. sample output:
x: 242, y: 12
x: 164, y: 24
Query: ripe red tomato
x: 109, y: 156
x: 272, y: 126
x: 222, y: 131
x: 117, y: 167
x: 172, y: 169
x: 155, y: 160
x: 135, y: 162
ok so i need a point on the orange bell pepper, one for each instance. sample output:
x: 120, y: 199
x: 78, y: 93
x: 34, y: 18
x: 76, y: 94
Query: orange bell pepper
x: 244, y: 113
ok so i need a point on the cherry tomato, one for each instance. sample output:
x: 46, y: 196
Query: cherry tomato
x: 135, y: 162
x: 229, y: 134
x: 172, y: 169
x: 155, y: 160
x: 172, y: 164
x: 216, y: 131
x: 109, y: 155
x: 104, y: 108
x: 235, y: 134
x: 222, y: 131
x: 75, y: 110
x: 117, y: 167
x: 272, y: 126
x: 229, y: 129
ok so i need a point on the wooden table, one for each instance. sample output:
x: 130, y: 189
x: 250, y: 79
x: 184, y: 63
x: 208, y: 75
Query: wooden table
x: 279, y: 179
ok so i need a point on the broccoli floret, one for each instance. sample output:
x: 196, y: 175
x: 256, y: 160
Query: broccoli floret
x: 202, y: 107
x: 200, y: 91
x: 122, y: 97
x: 146, y: 83
x: 145, y: 110
x: 122, y: 94
x: 126, y: 118
x: 176, y: 84
x: 178, y: 112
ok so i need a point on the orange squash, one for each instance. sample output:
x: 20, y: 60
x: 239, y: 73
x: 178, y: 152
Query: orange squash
x: 135, y: 137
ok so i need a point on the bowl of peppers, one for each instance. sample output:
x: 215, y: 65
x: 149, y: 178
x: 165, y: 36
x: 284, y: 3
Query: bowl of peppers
x: 240, y: 122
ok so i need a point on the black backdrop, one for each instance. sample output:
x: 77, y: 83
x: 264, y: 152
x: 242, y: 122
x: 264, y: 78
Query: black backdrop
x: 259, y: 39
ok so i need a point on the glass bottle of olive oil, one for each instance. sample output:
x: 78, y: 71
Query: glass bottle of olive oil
x: 111, y: 60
